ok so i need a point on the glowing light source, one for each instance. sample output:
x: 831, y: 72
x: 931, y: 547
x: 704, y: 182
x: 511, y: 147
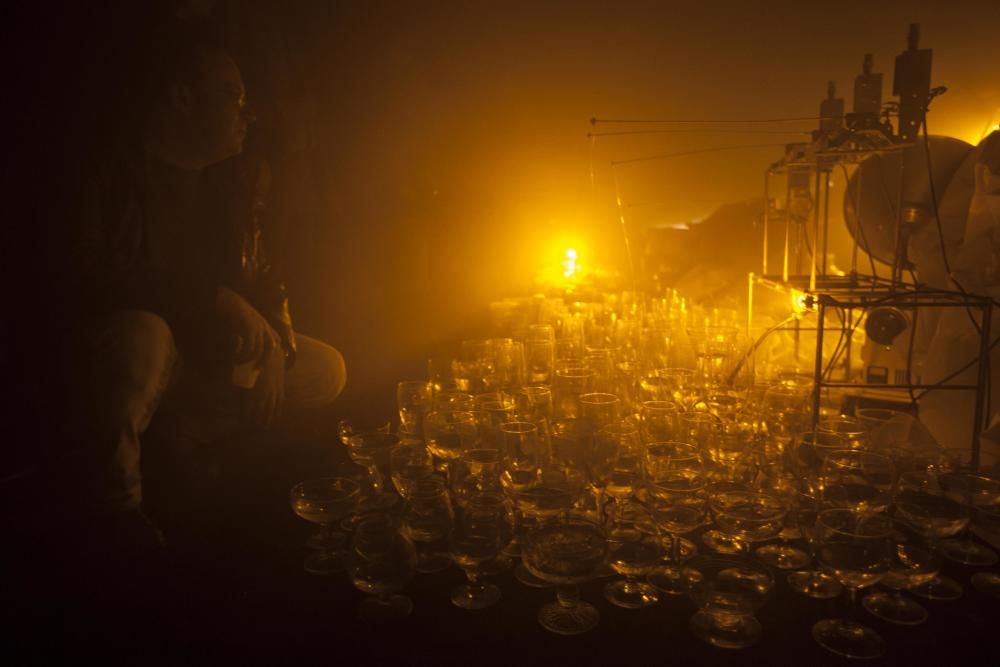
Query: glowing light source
x: 569, y: 263
x: 800, y: 302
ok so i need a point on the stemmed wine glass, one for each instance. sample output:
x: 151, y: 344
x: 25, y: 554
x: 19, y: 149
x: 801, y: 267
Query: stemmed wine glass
x: 427, y: 519
x: 407, y: 466
x: 382, y: 562
x: 413, y: 399
x: 857, y: 547
x: 746, y: 514
x: 811, y: 583
x: 728, y: 592
x: 977, y: 488
x: 858, y: 479
x: 675, y: 481
x: 567, y: 554
x: 325, y: 502
x: 479, y: 533
x: 917, y: 561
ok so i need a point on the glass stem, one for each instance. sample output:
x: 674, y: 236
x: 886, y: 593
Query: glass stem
x: 568, y: 595
x: 675, y: 548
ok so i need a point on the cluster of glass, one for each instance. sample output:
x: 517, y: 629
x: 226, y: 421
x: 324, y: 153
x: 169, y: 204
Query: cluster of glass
x: 636, y: 440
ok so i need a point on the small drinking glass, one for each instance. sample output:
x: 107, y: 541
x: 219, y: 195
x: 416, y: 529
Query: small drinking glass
x: 427, y: 519
x: 413, y: 400
x: 658, y: 421
x: 728, y: 592
x: 478, y: 536
x: 675, y: 482
x: 325, y: 502
x: 382, y: 563
x: 567, y: 554
x: 567, y: 386
x: 407, y: 466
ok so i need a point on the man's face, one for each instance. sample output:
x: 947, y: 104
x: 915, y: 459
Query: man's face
x: 220, y: 115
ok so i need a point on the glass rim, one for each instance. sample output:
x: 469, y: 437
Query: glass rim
x: 351, y: 484
x: 859, y: 515
x: 518, y: 427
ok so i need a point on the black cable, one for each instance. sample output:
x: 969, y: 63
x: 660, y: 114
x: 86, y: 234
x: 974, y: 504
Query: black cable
x: 909, y: 356
x: 861, y: 230
x: 951, y: 376
x: 940, y: 227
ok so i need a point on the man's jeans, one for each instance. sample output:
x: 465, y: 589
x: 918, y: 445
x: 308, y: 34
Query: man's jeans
x: 124, y: 367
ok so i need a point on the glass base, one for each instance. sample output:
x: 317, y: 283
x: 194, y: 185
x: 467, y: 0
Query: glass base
x: 969, y: 553
x: 430, y: 562
x: 987, y: 583
x: 471, y: 596
x: 939, y: 588
x: 523, y: 575
x: 382, y: 610
x: 815, y: 584
x: 325, y: 562
x: 630, y: 594
x: 327, y: 540
x: 513, y: 549
x: 849, y: 639
x: 673, y: 580
x: 726, y: 630
x: 782, y: 556
x: 575, y: 620
x: 721, y: 543
x: 894, y: 609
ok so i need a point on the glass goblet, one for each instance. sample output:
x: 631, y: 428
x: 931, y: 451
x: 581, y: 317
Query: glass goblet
x: 857, y: 546
x: 408, y: 465
x: 675, y: 483
x: 858, y: 479
x: 728, y: 592
x: 427, y: 520
x: 413, y: 400
x: 567, y: 554
x: 383, y: 562
x: 811, y: 583
x: 325, y: 502
x: 477, y: 538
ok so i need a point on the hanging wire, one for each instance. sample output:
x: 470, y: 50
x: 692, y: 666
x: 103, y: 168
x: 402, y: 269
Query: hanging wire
x: 665, y: 156
x: 595, y: 121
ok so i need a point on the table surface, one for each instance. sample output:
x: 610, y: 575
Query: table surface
x: 235, y: 590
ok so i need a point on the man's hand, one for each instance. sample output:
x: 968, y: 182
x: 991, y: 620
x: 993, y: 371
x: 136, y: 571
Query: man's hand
x: 267, y: 397
x: 255, y: 339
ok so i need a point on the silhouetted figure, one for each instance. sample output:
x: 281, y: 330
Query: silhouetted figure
x: 165, y: 302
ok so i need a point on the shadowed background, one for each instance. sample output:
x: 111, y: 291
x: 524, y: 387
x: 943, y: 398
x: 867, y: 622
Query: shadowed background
x: 430, y: 157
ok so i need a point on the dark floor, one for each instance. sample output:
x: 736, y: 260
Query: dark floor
x: 230, y: 588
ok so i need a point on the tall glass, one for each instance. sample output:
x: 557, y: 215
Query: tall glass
x: 479, y: 534
x: 567, y: 386
x: 857, y: 547
x: 676, y: 482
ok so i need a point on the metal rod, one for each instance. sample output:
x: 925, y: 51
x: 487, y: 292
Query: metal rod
x: 826, y: 218
x: 959, y: 387
x: 818, y: 370
x: 982, y: 410
x: 788, y: 221
x: 815, y: 243
x: 767, y: 208
x: 857, y: 219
